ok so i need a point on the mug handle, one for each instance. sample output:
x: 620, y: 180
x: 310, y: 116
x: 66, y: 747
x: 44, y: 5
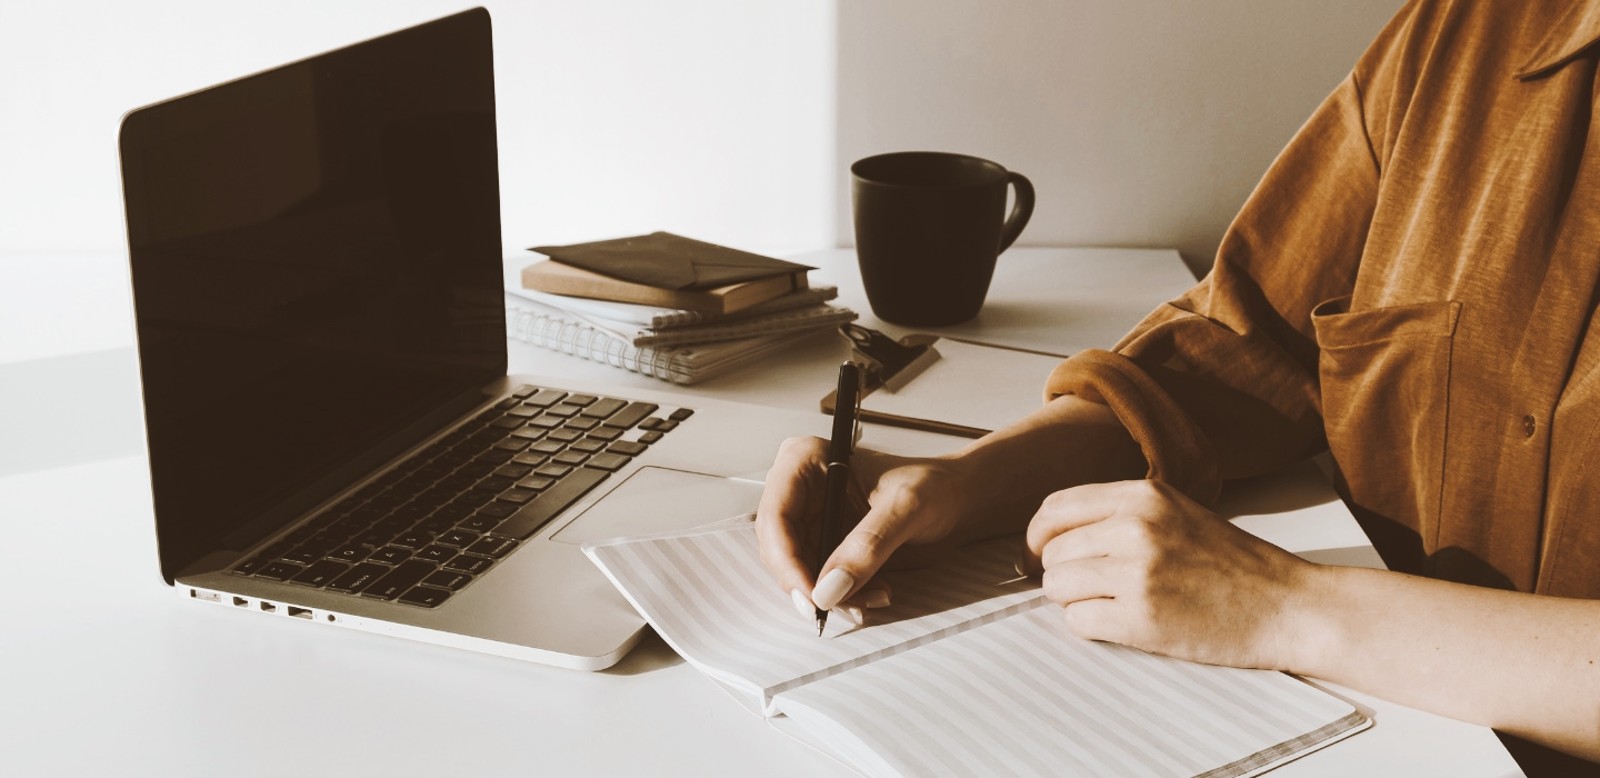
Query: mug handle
x: 1020, y: 211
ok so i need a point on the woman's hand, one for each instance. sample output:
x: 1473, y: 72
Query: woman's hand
x: 898, y: 501
x: 1138, y: 563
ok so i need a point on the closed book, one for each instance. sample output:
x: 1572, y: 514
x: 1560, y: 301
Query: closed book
x: 560, y: 278
x: 658, y: 318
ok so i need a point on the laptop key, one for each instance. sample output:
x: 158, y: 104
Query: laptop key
x: 399, y: 579
x: 467, y: 563
x: 448, y: 579
x: 524, y: 391
x: 631, y: 415
x: 493, y: 547
x: 628, y: 448
x: 390, y: 555
x: 545, y: 397
x: 320, y: 573
x: 457, y: 538
x: 279, y: 571
x: 435, y: 554
x: 607, y: 461
x: 480, y: 523
x: 359, y: 577
x: 529, y: 518
x: 603, y: 407
x: 425, y: 596
x: 581, y: 399
x: 681, y: 414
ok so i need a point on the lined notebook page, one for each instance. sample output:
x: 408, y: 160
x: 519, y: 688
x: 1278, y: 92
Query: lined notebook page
x: 708, y: 596
x: 1021, y: 696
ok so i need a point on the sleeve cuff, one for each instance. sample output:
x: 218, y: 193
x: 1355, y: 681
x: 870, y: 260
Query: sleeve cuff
x: 1177, y: 452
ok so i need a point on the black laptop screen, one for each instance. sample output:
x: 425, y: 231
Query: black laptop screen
x: 315, y: 256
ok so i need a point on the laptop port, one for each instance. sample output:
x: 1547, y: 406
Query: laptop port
x: 241, y: 602
x: 267, y: 607
x: 207, y: 596
x: 299, y: 613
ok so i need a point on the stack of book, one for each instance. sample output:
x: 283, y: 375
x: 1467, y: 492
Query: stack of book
x: 666, y: 306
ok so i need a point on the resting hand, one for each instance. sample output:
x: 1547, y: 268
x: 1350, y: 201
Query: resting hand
x: 898, y: 500
x: 1138, y: 563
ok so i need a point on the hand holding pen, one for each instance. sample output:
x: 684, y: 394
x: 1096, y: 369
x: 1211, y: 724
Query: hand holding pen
x: 846, y: 412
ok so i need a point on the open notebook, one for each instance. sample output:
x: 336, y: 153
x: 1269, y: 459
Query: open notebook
x: 968, y: 673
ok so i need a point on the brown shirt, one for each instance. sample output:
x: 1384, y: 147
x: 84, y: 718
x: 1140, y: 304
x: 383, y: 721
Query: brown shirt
x: 1412, y: 285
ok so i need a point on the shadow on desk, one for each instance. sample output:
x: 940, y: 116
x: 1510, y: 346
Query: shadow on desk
x: 651, y: 654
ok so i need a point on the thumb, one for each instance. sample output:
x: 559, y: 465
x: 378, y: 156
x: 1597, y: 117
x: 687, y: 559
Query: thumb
x: 858, y: 557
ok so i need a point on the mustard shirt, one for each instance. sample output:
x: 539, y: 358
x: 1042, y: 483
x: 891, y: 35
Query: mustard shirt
x: 1412, y: 286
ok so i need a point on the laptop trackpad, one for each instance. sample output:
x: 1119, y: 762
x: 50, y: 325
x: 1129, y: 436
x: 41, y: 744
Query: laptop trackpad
x: 656, y: 499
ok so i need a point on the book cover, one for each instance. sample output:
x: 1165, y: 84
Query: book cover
x: 667, y: 261
x: 560, y: 278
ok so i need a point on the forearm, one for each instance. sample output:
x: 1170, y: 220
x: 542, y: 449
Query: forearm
x: 1069, y: 441
x: 1520, y: 663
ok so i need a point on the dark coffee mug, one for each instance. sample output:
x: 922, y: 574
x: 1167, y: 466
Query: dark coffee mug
x: 929, y: 226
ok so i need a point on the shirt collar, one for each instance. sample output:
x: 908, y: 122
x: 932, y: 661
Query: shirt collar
x: 1578, y: 29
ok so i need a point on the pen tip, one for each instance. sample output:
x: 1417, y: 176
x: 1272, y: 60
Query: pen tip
x: 821, y: 623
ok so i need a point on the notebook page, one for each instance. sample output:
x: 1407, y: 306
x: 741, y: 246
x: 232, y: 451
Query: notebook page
x: 1022, y: 696
x: 960, y: 388
x: 708, y: 596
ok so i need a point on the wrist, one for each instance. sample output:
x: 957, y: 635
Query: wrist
x: 1311, y: 637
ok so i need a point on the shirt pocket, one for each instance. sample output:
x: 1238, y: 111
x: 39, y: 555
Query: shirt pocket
x: 1385, y: 392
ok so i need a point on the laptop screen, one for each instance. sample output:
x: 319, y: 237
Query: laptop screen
x: 315, y: 256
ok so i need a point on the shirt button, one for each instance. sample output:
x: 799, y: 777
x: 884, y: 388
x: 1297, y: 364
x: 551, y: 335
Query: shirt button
x: 1529, y: 425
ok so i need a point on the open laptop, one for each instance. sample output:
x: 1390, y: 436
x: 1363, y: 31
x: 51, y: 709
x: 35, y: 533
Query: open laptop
x: 317, y: 280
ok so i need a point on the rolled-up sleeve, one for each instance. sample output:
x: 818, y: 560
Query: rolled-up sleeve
x: 1222, y: 382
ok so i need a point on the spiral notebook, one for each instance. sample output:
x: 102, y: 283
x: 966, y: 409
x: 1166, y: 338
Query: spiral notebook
x: 970, y: 672
x: 533, y: 322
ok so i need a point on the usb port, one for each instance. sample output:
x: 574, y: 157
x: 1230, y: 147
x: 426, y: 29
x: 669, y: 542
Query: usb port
x: 299, y: 613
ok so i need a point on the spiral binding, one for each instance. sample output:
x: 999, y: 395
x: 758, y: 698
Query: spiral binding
x: 585, y: 341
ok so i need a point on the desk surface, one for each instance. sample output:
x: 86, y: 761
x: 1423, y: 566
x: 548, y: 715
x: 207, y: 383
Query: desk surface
x: 106, y: 671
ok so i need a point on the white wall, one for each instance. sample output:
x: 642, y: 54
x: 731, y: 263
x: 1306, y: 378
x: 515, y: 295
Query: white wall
x: 709, y: 117
x: 1140, y: 122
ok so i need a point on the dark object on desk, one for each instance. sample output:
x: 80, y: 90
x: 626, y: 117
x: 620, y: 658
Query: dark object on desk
x: 929, y: 226
x: 666, y: 261
x: 892, y: 363
x: 837, y: 482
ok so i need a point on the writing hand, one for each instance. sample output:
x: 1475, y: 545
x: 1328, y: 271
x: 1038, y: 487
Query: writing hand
x: 1138, y: 563
x: 892, y: 501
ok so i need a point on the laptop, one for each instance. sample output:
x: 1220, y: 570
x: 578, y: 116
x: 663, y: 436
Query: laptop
x: 318, y: 291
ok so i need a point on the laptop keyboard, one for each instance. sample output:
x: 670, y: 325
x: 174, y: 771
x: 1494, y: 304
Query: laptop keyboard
x: 446, y: 515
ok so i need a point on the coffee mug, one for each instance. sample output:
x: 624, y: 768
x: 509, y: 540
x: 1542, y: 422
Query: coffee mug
x: 929, y: 226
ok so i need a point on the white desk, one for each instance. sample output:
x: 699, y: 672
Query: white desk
x: 103, y: 670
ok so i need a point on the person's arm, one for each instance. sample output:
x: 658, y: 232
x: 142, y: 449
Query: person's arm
x: 1138, y: 563
x: 1523, y: 664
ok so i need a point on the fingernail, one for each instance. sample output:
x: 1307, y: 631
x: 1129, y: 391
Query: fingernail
x: 877, y: 598
x: 1021, y: 566
x: 802, y: 604
x: 851, y: 613
x: 832, y: 588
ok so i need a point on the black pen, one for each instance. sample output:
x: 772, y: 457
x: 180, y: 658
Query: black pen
x: 846, y: 408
